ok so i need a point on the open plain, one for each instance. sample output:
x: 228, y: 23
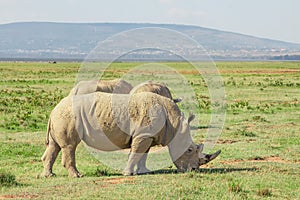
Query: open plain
x: 260, y: 141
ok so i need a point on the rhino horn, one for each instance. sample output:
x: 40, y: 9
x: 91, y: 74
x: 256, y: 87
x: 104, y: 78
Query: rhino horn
x: 205, y: 158
x: 213, y: 156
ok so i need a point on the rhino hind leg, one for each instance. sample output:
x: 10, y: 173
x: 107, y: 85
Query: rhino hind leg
x: 68, y: 160
x: 49, y: 158
x: 139, y: 148
x: 141, y: 166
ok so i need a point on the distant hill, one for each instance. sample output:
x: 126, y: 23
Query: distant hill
x: 46, y: 40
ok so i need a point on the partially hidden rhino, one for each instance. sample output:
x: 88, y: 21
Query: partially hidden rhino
x: 157, y: 88
x: 117, y: 86
x: 111, y: 122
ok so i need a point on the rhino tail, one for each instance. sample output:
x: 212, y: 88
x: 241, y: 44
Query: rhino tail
x: 48, y: 132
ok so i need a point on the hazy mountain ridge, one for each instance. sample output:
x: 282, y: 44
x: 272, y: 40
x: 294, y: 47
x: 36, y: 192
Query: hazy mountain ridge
x: 42, y: 40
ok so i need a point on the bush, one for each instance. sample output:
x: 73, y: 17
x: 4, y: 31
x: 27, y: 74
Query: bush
x: 7, y: 179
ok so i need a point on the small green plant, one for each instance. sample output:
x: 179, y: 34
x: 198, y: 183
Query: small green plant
x: 7, y: 180
x: 100, y: 172
x: 235, y: 186
x: 259, y: 118
x: 245, y: 132
x: 240, y: 105
x: 264, y: 192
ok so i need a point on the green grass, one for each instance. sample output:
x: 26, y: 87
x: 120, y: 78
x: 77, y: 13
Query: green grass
x: 260, y: 140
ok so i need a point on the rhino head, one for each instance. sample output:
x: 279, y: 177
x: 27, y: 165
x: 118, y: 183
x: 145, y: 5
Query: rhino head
x: 192, y: 157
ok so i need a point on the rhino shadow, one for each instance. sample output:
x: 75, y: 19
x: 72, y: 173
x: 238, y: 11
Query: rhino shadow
x: 206, y: 171
x: 174, y: 171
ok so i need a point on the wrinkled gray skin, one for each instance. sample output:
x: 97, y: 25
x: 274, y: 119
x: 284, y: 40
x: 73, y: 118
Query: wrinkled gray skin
x: 147, y: 120
x: 116, y: 86
x: 157, y: 88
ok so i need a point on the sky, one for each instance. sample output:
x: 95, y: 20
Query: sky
x: 273, y: 19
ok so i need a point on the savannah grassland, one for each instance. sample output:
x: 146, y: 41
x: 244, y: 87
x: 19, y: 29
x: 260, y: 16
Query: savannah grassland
x: 260, y: 141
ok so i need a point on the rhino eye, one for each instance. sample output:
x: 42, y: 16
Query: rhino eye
x: 190, y: 150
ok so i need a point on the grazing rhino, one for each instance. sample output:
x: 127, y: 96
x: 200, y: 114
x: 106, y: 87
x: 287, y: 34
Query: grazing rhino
x: 157, y: 88
x: 111, y: 122
x: 117, y: 86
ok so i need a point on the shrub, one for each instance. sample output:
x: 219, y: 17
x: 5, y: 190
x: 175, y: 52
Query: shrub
x: 264, y: 192
x: 234, y: 187
x: 7, y: 179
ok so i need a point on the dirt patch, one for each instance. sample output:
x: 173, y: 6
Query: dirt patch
x: 285, y: 125
x: 119, y: 180
x: 221, y: 141
x: 272, y: 159
x: 195, y: 72
x: 275, y: 159
x: 115, y: 181
x: 251, y: 140
x: 262, y: 71
x: 24, y: 196
x: 189, y: 72
x: 224, y: 141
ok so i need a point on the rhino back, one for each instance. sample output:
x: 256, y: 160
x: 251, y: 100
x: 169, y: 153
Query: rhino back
x: 153, y: 87
x: 117, y: 86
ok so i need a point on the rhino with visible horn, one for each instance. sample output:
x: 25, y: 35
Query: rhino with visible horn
x: 111, y: 122
x: 119, y: 86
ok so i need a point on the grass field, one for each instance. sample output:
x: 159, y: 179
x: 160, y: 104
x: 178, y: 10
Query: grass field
x: 260, y: 141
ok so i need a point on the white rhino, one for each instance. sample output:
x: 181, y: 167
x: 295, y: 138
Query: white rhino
x: 157, y: 88
x: 111, y: 122
x: 117, y: 86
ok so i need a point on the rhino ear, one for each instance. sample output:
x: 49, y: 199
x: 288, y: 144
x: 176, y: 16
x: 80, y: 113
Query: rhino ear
x: 177, y: 100
x: 200, y: 147
x: 191, y: 117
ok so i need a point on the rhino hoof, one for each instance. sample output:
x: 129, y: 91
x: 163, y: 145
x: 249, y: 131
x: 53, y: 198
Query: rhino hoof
x: 143, y: 171
x: 128, y: 173
x: 47, y: 174
x: 76, y: 175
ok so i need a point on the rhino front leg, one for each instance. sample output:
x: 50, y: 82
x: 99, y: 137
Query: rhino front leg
x: 68, y: 160
x: 49, y: 158
x: 138, y: 149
